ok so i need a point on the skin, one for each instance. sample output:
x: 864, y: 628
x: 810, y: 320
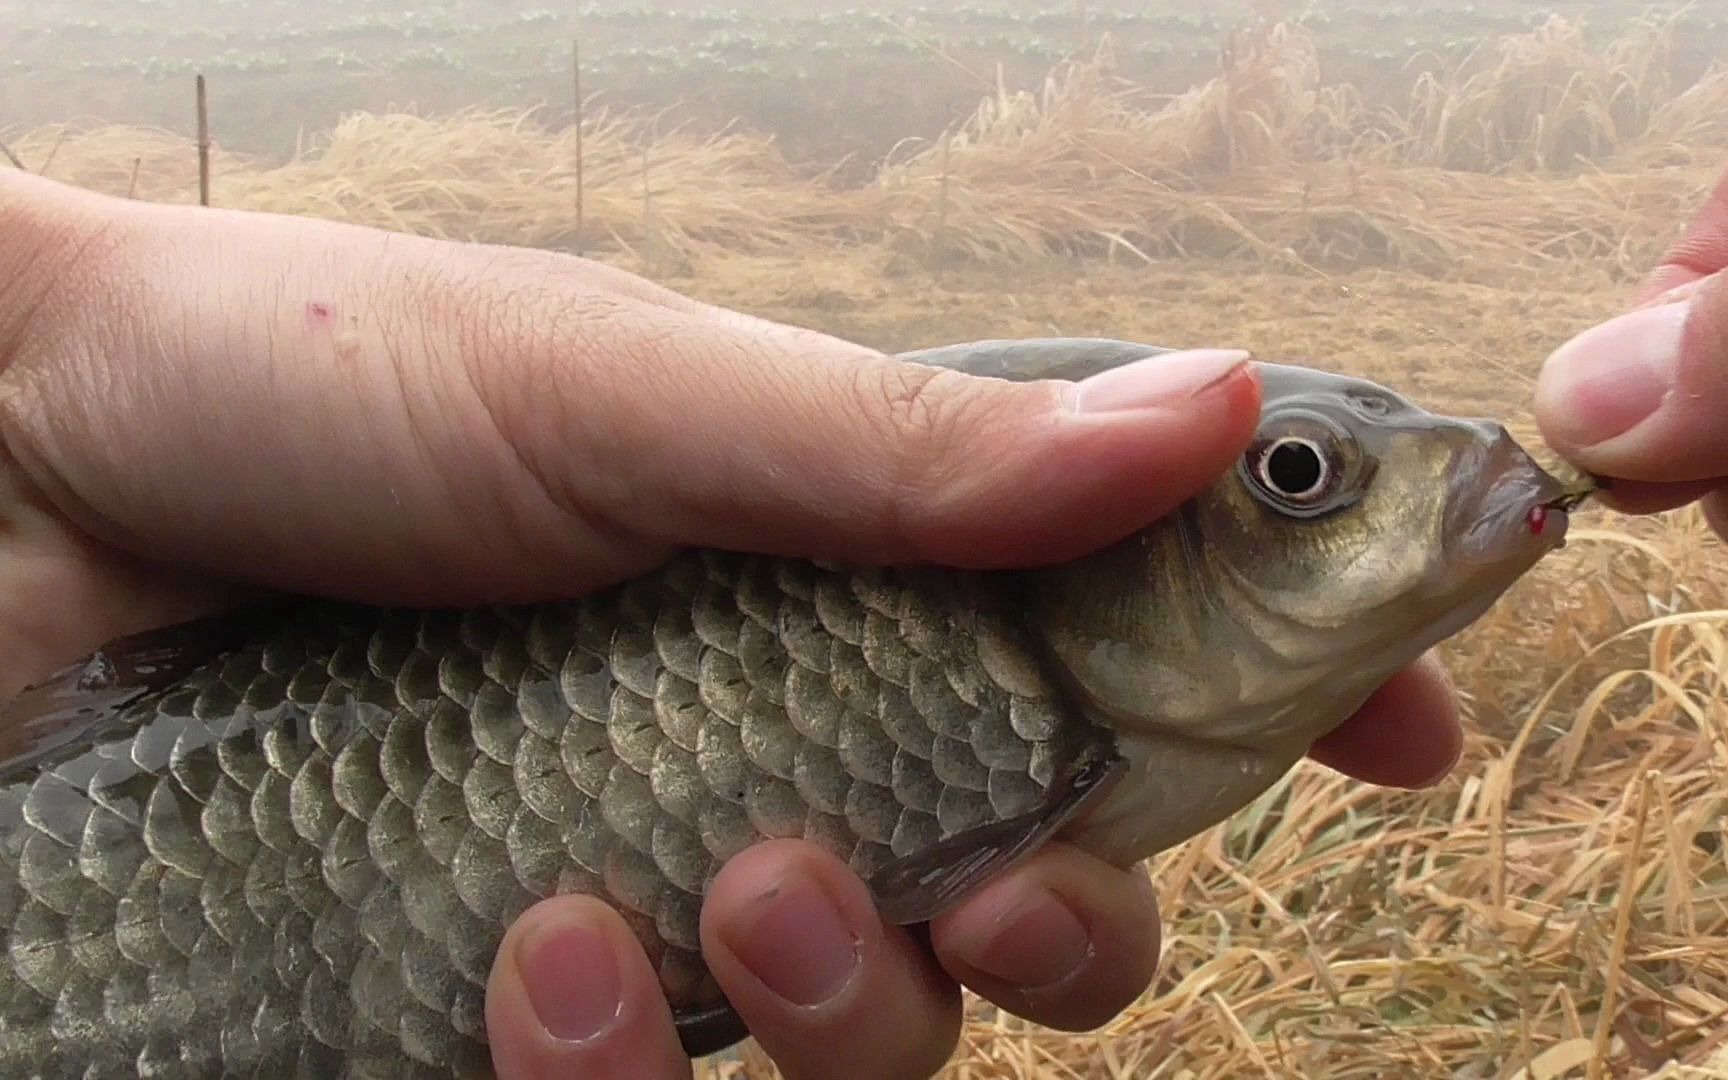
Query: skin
x: 196, y: 405
x: 1643, y: 397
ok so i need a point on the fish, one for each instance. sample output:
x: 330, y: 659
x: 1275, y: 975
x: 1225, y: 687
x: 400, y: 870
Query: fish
x: 287, y: 839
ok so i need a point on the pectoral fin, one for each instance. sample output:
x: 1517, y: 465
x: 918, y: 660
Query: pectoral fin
x: 77, y: 701
x: 921, y: 886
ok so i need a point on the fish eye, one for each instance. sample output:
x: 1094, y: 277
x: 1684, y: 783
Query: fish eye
x: 1293, y: 469
x: 1304, y: 464
x: 1301, y: 470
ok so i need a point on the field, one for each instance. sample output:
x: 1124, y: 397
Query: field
x: 829, y: 77
x: 1434, y: 195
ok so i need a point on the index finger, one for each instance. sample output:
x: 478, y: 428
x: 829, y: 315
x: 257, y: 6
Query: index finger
x: 1407, y: 735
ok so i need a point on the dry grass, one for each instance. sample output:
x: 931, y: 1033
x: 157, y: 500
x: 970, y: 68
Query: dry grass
x: 488, y: 175
x: 1268, y: 161
x: 1264, y: 161
x: 1552, y: 98
x: 1559, y: 906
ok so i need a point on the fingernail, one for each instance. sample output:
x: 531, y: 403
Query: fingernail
x: 1156, y: 380
x: 572, y: 979
x: 1612, y: 377
x: 1684, y: 291
x: 1035, y: 942
x: 795, y: 940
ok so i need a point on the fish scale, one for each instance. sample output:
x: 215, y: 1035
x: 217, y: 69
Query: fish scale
x: 300, y: 859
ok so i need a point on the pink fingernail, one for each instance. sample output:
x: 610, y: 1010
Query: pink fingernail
x: 572, y: 979
x: 1156, y: 380
x: 796, y: 941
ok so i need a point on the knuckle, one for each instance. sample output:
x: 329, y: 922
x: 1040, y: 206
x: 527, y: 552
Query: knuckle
x: 930, y: 420
x: 907, y: 400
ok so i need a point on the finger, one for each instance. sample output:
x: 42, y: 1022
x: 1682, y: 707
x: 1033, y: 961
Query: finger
x: 572, y: 994
x: 592, y: 422
x: 1406, y: 735
x: 784, y: 441
x: 1065, y: 940
x: 794, y: 940
x: 1701, y: 251
x: 1645, y: 497
x: 1681, y: 286
x: 1644, y: 396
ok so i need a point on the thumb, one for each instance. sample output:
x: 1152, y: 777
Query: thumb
x: 742, y: 434
x: 457, y: 423
x: 1644, y: 396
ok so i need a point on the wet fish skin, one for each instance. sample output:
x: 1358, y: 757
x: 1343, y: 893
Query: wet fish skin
x: 361, y: 801
x: 288, y: 842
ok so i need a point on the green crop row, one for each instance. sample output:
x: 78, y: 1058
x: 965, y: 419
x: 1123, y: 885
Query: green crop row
x: 462, y: 19
x: 454, y: 35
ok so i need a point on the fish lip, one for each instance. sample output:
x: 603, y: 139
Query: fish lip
x: 1522, y: 515
x: 1506, y: 520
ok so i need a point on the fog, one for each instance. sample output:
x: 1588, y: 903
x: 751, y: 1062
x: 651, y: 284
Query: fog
x: 832, y: 79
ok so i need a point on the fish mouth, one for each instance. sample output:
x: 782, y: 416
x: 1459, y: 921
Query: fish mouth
x: 1523, y: 512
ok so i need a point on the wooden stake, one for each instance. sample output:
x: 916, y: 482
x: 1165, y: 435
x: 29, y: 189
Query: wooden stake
x: 53, y: 152
x: 132, y: 184
x: 576, y: 83
x: 203, y: 145
x: 942, y: 209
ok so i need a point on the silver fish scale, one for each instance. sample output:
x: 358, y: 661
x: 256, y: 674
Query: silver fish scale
x: 300, y: 860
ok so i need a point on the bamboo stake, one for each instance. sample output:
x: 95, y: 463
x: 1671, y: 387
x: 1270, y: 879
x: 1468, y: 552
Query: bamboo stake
x: 53, y: 152
x: 203, y: 145
x: 942, y: 209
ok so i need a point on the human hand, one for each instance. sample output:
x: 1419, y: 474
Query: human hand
x: 1643, y: 398
x: 195, y: 403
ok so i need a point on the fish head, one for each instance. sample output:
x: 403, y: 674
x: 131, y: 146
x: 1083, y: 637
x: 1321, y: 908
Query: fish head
x: 1363, y: 525
x: 1356, y: 531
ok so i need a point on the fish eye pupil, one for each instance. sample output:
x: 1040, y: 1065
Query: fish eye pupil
x: 1294, y: 468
